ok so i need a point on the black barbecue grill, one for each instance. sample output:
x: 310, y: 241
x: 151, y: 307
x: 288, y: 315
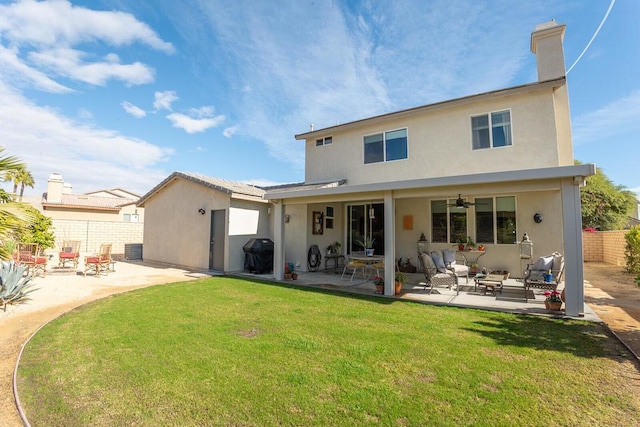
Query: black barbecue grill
x: 258, y: 256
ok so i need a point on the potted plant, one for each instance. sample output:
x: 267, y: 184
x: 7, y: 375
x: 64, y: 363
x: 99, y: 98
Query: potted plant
x: 367, y: 244
x: 553, y: 301
x: 288, y: 271
x: 460, y: 242
x: 379, y: 283
x: 401, y: 279
x: 470, y: 244
x: 334, y: 248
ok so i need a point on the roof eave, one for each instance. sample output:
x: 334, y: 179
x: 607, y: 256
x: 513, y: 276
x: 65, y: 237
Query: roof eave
x: 577, y: 171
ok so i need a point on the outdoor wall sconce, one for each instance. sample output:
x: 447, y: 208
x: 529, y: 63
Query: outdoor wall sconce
x: 538, y: 217
x: 201, y: 211
x: 287, y: 217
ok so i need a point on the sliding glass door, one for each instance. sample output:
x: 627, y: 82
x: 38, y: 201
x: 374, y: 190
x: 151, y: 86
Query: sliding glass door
x: 365, y: 221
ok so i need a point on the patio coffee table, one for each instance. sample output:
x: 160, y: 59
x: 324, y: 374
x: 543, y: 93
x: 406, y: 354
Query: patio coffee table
x: 490, y: 282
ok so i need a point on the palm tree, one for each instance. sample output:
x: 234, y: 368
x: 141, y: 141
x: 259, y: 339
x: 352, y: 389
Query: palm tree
x: 20, y: 177
x: 26, y: 180
x: 12, y: 215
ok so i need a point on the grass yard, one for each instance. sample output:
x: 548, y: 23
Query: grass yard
x: 225, y: 351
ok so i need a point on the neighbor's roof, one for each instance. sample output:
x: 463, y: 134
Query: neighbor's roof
x: 225, y: 186
x: 84, y: 201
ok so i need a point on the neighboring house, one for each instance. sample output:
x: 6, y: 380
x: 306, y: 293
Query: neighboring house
x: 397, y: 175
x: 200, y: 222
x: 103, y: 216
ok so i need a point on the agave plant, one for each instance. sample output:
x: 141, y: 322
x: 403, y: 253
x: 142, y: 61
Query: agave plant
x: 15, y: 287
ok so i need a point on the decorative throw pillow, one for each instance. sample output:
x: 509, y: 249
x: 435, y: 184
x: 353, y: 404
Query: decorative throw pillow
x: 556, y: 266
x: 439, y: 262
x: 544, y: 263
x: 449, y: 257
x: 428, y: 262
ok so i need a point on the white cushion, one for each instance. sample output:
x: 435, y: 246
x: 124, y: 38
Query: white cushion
x: 556, y: 265
x: 439, y: 262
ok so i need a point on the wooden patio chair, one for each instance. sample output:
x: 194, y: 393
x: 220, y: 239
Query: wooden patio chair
x: 31, y: 256
x: 435, y: 276
x: 70, y: 252
x: 353, y: 266
x: 99, y: 263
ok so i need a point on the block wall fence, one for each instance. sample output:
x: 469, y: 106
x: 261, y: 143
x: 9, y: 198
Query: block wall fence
x: 605, y: 246
x: 94, y: 233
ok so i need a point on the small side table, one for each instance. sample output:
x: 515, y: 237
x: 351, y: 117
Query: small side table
x: 336, y: 260
x: 489, y: 281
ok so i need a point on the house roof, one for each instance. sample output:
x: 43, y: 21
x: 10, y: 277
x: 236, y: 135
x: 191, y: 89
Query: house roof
x: 114, y: 192
x: 575, y: 171
x: 438, y: 105
x: 232, y: 188
x: 84, y: 201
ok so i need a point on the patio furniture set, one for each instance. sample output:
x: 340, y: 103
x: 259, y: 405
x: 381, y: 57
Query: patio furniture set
x: 32, y: 256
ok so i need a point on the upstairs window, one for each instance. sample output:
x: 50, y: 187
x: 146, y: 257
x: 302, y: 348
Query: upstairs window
x: 385, y: 147
x: 491, y: 130
x: 324, y: 141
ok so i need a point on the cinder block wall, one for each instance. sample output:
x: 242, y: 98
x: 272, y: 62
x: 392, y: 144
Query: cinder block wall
x: 93, y: 233
x: 605, y: 246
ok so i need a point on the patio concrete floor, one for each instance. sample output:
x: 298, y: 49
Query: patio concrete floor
x: 511, y: 299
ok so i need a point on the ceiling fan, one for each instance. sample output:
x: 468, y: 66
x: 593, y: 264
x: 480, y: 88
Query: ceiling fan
x: 461, y: 203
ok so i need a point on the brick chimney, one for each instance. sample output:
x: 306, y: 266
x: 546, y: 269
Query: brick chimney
x: 55, y: 186
x: 546, y: 44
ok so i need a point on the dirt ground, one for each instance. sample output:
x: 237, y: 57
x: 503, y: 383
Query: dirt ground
x: 611, y: 293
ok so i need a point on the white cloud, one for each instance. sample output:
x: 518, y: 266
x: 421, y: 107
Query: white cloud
x: 86, y: 156
x: 230, y: 131
x: 70, y: 63
x: 163, y: 100
x: 133, y: 110
x: 348, y: 63
x: 194, y: 125
x: 605, y: 124
x: 42, y: 36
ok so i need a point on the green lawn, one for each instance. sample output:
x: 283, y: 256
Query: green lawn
x: 225, y: 351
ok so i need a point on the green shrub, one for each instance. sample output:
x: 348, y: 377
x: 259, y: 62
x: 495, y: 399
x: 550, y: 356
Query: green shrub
x: 632, y: 250
x: 14, y: 285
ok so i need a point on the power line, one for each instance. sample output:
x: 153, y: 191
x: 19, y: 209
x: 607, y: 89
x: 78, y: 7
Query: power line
x: 606, y: 15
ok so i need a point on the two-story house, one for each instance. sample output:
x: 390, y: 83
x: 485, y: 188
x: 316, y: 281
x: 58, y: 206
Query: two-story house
x: 507, y: 154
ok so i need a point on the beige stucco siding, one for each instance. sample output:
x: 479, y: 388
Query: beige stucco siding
x: 247, y: 220
x: 440, y: 142
x: 174, y: 231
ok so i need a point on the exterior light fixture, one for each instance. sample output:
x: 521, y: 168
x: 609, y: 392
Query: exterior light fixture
x: 201, y: 211
x: 538, y: 217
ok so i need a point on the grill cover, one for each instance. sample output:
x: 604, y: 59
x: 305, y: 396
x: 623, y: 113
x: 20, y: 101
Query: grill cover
x: 258, y: 255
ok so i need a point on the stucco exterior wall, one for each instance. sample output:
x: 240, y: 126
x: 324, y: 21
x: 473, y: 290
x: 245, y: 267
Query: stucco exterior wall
x: 254, y: 221
x: 175, y: 232
x: 440, y: 142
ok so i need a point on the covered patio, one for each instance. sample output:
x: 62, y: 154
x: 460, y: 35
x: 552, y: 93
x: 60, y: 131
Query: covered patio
x: 511, y: 299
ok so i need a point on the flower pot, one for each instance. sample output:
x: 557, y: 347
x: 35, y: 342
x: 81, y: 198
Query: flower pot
x: 287, y: 276
x: 294, y: 276
x: 379, y: 289
x: 398, y: 287
x: 548, y: 278
x: 553, y: 306
x: 369, y: 251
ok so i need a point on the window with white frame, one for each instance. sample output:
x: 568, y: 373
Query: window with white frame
x: 491, y: 130
x: 324, y: 141
x: 496, y: 220
x: 328, y: 217
x: 448, y: 223
x: 130, y: 217
x: 385, y: 146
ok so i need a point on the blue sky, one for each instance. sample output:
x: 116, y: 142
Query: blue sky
x: 119, y: 93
